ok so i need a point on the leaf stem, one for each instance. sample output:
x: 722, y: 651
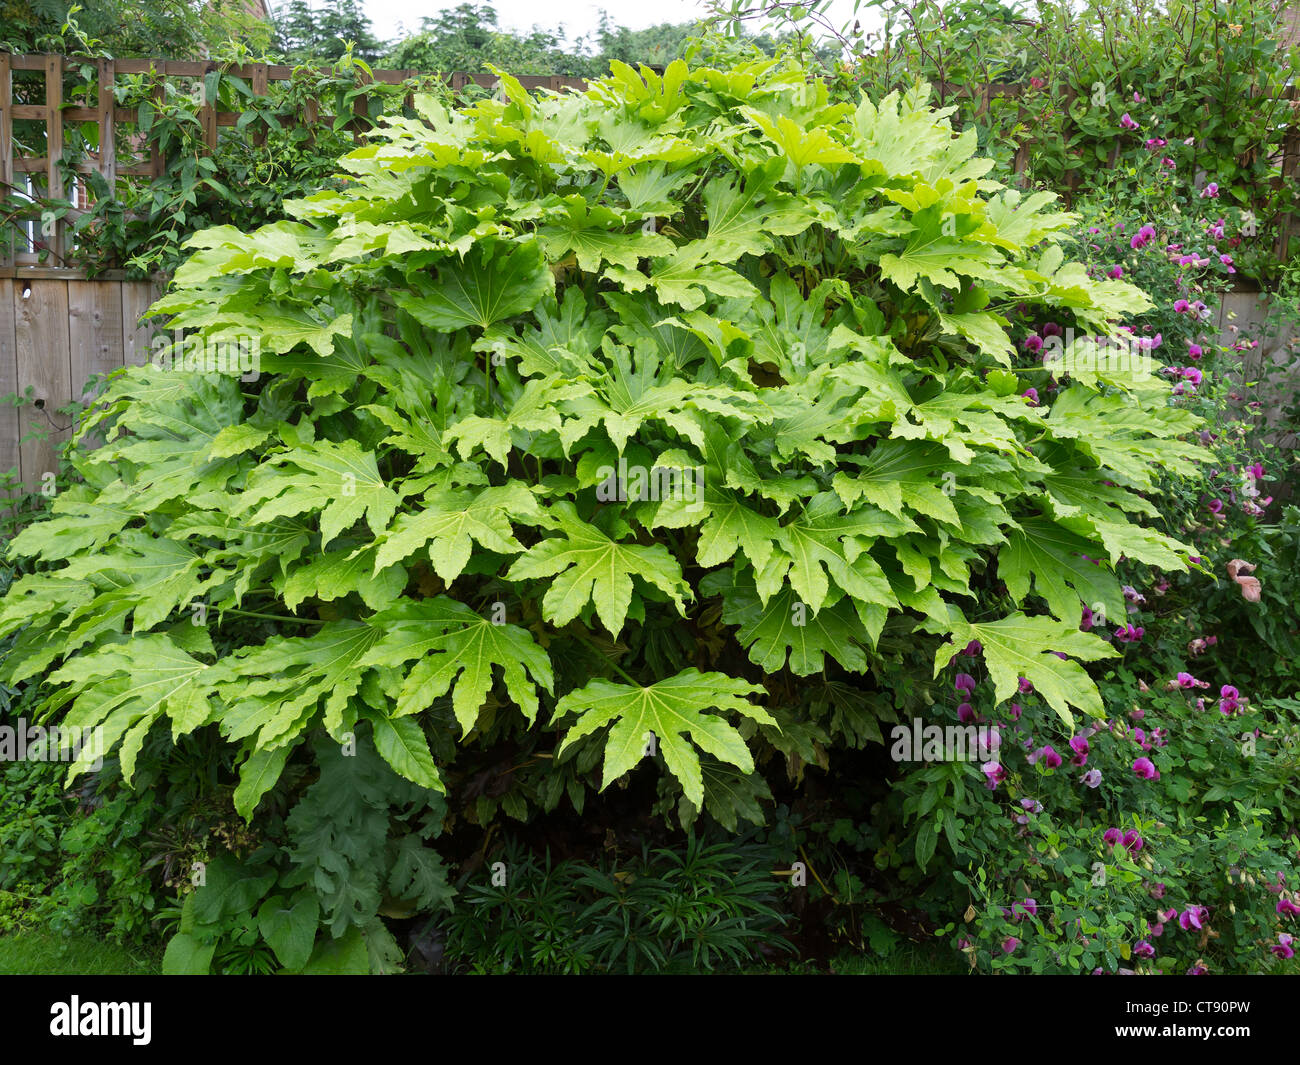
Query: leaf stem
x: 269, y: 617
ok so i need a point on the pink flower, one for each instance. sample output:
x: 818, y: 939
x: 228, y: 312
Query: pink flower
x: 1146, y: 769
x: 1191, y: 373
x: 1030, y: 394
x: 1287, y: 908
x: 1009, y: 945
x: 1155, y: 142
x: 1192, y: 917
x: 1229, y: 700
x: 1181, y: 306
x: 1024, y: 686
x: 1113, y: 837
x: 1051, y: 329
x: 1211, y: 191
x: 1092, y: 778
x: 964, y: 682
x: 1034, y: 343
x: 1283, y: 948
x: 1168, y: 163
x: 1142, y: 238
x: 1037, y: 83
x: 965, y: 712
x: 1143, y: 949
x: 1127, y: 122
x: 1049, y: 756
x: 1194, y: 351
x: 1115, y: 272
x: 994, y: 774
x: 1132, y: 841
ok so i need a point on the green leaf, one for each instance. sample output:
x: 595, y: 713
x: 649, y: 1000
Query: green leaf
x: 590, y: 567
x: 671, y: 709
x: 187, y: 955
x: 289, y: 927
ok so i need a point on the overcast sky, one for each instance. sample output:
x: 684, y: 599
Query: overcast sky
x: 577, y: 17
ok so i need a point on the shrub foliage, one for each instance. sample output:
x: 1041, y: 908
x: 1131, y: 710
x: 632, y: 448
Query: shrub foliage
x: 615, y: 415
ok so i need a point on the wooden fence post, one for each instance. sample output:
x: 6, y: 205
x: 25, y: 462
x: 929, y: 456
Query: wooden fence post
x: 54, y: 151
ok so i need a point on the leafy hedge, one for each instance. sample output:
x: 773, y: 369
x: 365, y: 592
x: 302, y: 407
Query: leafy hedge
x: 618, y: 413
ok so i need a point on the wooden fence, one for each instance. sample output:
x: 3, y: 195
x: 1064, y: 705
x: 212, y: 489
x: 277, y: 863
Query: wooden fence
x: 55, y: 334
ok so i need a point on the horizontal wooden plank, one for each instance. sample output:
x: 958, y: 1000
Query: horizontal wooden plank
x: 59, y: 273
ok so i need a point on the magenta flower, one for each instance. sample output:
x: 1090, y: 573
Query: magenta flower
x: 1185, y: 680
x: 1015, y: 711
x: 1079, y: 745
x: 1146, y: 769
x: 1229, y: 700
x: 1085, y: 622
x: 1049, y: 756
x: 965, y: 713
x: 1283, y: 948
x: 1192, y: 917
x: 1168, y: 163
x: 1132, y: 841
x: 1127, y: 122
x: 1092, y: 778
x: 1031, y: 394
x: 994, y: 774
x: 1051, y: 329
x: 1198, y: 969
x: 1287, y: 908
x: 1143, y: 949
x: 1009, y: 945
x: 1155, y: 142
x: 1113, y: 837
x: 1142, y: 238
x: 1024, y: 686
x: 964, y: 682
x: 1191, y: 373
x: 1256, y: 471
x: 1034, y: 343
x: 1194, y: 351
x: 1211, y: 191
x: 1181, y: 306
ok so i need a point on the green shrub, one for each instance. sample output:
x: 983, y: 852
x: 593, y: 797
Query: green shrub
x: 675, y: 416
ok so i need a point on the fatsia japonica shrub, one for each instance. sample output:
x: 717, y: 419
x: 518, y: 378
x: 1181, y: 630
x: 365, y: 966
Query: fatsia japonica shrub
x: 631, y: 425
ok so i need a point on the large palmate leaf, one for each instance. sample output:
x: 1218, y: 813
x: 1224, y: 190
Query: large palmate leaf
x: 1024, y: 647
x: 491, y: 283
x: 671, y: 709
x: 590, y: 567
x: 452, y: 645
x: 1054, y: 560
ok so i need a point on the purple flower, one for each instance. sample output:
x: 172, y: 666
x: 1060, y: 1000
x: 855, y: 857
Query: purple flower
x: 1283, y: 948
x: 1185, y: 680
x: 1032, y: 805
x: 1085, y: 622
x: 1115, y: 272
x: 1033, y: 343
x: 1031, y: 394
x: 1127, y: 122
x: 1146, y: 769
x: 1211, y: 191
x: 1113, y: 837
x: 1025, y: 687
x: 1092, y: 778
x: 1143, y: 949
x: 994, y: 774
x: 1132, y: 841
x: 1191, y: 373
x: 1142, y: 238
x: 1192, y: 917
x: 965, y: 712
x: 1287, y: 908
x: 1051, y: 329
x: 1229, y: 700
x: 1194, y: 351
x: 1181, y: 306
x: 1049, y: 756
x: 1009, y: 945
x: 964, y: 682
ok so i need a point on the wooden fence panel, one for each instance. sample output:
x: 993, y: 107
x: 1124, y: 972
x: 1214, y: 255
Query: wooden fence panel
x: 43, y: 361
x: 8, y: 379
